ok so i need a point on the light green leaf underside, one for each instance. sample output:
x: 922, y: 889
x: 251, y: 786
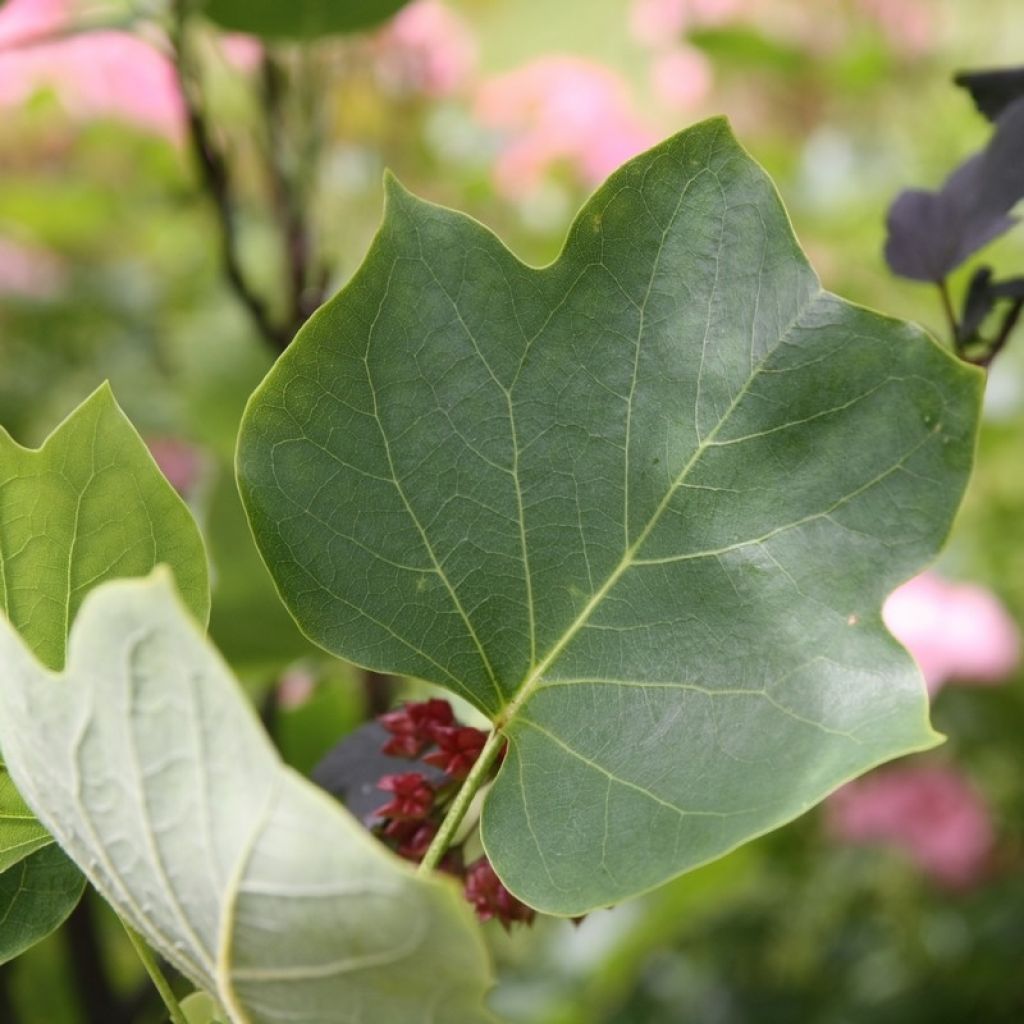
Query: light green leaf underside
x: 87, y: 506
x: 640, y: 506
x: 36, y: 896
x: 300, y: 19
x: 149, y: 766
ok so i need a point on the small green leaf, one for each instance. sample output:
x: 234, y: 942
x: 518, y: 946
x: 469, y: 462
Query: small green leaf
x: 641, y: 507
x: 20, y: 831
x: 146, y: 761
x: 300, y: 19
x: 200, y: 1008
x: 87, y: 506
x: 36, y: 896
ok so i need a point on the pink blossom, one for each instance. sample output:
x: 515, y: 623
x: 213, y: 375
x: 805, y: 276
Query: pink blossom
x: 681, y: 77
x: 908, y: 25
x: 295, y: 687
x: 931, y: 813
x: 953, y: 630
x: 657, y: 22
x: 661, y: 23
x: 94, y: 75
x: 426, y: 48
x: 28, y: 271
x: 242, y: 52
x: 560, y: 111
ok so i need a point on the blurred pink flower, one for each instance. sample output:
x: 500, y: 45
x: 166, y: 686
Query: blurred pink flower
x: 953, y: 630
x: 931, y: 813
x: 182, y: 463
x: 98, y: 74
x: 681, y: 77
x: 28, y: 271
x: 295, y: 686
x: 560, y: 110
x: 661, y: 23
x: 242, y: 52
x: 908, y: 25
x: 426, y: 48
x: 657, y: 22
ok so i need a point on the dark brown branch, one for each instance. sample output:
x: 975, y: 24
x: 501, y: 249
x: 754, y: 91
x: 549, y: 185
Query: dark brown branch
x: 217, y: 184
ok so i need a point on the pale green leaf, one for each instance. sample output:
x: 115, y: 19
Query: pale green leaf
x: 87, y: 506
x: 300, y: 19
x: 149, y: 766
x: 641, y: 507
x: 36, y: 896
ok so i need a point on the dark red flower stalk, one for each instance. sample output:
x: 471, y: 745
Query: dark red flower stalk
x: 413, y: 797
x: 460, y: 746
x: 491, y: 899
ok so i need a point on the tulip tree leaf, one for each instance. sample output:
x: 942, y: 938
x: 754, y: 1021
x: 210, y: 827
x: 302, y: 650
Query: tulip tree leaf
x: 36, y: 896
x: 148, y: 764
x: 300, y: 19
x: 90, y: 504
x: 641, y: 507
x: 20, y: 832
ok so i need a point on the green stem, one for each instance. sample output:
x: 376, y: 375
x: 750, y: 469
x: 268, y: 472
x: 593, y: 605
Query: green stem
x: 474, y: 780
x: 156, y: 975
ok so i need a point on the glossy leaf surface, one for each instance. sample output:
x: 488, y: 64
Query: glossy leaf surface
x: 146, y: 761
x: 641, y: 507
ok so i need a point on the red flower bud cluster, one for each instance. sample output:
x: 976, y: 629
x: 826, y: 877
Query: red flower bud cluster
x: 491, y: 899
x: 412, y: 725
x: 427, y: 731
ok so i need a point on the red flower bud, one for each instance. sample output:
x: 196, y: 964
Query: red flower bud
x: 460, y: 746
x: 410, y: 726
x: 413, y: 797
x: 491, y: 899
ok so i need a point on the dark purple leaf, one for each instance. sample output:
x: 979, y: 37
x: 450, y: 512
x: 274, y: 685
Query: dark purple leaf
x: 992, y: 91
x: 352, y: 768
x: 931, y: 233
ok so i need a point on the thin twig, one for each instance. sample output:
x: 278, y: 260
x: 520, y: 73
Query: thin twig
x: 217, y: 183
x: 947, y: 305
x: 1009, y: 322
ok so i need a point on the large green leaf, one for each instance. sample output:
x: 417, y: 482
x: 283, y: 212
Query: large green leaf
x: 36, y: 896
x: 641, y: 507
x: 147, y: 762
x: 300, y: 19
x: 89, y: 505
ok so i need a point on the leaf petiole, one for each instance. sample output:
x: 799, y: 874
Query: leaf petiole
x: 457, y: 811
x: 161, y: 984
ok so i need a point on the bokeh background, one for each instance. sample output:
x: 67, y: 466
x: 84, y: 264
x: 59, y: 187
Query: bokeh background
x: 902, y: 898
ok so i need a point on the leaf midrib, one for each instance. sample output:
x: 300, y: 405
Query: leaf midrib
x: 532, y: 681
